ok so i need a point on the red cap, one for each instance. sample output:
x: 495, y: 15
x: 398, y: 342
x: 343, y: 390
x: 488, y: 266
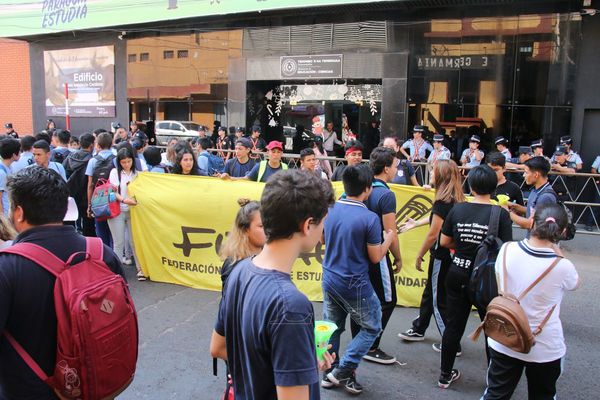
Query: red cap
x: 274, y: 144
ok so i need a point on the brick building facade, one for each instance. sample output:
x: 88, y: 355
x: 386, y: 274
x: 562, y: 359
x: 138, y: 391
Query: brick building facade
x: 15, y: 86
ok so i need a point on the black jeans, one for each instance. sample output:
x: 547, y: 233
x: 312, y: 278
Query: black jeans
x: 505, y: 372
x: 433, y: 299
x: 459, y: 308
x: 387, y: 307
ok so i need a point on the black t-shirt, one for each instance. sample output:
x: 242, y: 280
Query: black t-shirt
x: 269, y: 329
x: 440, y: 209
x: 468, y: 224
x: 27, y: 310
x: 338, y: 173
x: 512, y: 190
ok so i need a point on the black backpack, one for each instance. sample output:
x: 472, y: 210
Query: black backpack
x: 483, y: 286
x: 59, y: 155
x: 571, y: 228
x: 102, y: 168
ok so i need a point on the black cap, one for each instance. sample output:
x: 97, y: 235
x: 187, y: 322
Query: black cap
x: 566, y: 140
x: 240, y: 129
x: 222, y: 128
x: 202, y: 128
x: 500, y: 139
x: 475, y: 139
x: 525, y: 150
x: 537, y: 143
x: 247, y: 143
x: 8, y: 125
x: 560, y: 150
x: 256, y: 128
x: 438, y: 138
x: 116, y: 125
x: 419, y: 128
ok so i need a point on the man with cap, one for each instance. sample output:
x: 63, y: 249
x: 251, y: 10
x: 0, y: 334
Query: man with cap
x: 262, y: 171
x: 258, y: 143
x: 525, y: 153
x: 561, y: 161
x: 440, y: 152
x: 472, y: 156
x: 571, y: 156
x: 417, y: 146
x: 240, y: 165
x: 10, y: 131
x: 502, y: 147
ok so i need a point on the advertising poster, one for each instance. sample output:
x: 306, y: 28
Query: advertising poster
x: 90, y: 75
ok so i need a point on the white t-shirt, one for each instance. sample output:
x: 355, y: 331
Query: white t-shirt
x: 122, y: 183
x: 525, y: 264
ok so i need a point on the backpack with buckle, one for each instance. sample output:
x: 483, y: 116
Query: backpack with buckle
x: 506, y: 321
x: 97, y: 330
x: 104, y: 203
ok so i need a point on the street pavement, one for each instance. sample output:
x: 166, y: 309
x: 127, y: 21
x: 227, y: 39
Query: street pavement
x: 176, y: 323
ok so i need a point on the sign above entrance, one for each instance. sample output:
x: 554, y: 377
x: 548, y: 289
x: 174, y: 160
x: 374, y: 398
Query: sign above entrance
x: 311, y: 66
x: 35, y: 17
x: 445, y: 63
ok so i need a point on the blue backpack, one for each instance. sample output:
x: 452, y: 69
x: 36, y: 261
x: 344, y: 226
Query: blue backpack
x: 216, y: 165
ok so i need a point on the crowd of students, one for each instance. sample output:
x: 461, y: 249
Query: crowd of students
x: 265, y: 326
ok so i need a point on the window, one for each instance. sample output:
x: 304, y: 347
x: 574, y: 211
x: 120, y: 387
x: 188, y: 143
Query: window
x: 132, y: 58
x: 168, y: 54
x: 144, y: 56
x: 182, y: 54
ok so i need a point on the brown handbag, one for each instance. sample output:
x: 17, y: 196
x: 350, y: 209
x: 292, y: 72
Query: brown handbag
x: 505, y: 320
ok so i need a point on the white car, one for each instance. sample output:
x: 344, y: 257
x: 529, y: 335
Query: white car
x: 165, y: 130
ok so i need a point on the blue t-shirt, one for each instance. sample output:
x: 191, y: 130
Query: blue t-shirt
x: 89, y: 170
x: 349, y: 228
x: 253, y: 174
x: 4, y: 172
x: 158, y: 169
x: 58, y: 168
x: 24, y: 161
x: 401, y: 178
x: 235, y: 169
x: 269, y: 329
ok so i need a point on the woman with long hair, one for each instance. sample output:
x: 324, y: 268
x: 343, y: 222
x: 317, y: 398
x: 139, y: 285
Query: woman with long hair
x: 448, y: 191
x: 120, y: 226
x: 185, y: 163
x: 518, y: 265
x: 246, y: 238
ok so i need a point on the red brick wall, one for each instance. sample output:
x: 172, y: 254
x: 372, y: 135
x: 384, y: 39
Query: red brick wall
x: 15, y: 86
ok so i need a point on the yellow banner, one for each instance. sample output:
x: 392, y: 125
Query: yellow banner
x: 181, y: 221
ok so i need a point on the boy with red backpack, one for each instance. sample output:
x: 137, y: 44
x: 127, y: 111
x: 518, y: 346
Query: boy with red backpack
x: 40, y: 350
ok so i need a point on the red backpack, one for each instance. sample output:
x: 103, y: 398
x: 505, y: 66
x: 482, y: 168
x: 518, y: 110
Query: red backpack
x: 97, y: 331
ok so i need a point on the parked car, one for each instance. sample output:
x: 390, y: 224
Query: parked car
x: 165, y: 130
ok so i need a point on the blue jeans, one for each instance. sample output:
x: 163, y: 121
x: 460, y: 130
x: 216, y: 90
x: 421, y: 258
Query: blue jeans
x: 103, y: 232
x: 365, y: 312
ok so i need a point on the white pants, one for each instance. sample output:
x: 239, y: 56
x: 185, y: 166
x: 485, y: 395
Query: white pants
x: 119, y: 229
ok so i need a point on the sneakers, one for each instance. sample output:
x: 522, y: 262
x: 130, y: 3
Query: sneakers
x: 127, y: 261
x: 446, y: 379
x: 140, y: 276
x: 325, y: 382
x: 345, y: 378
x: 411, y: 336
x: 379, y: 356
x: 438, y: 348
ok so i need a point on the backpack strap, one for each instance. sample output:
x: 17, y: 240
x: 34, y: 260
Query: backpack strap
x: 542, y: 276
x: 38, y: 255
x: 494, y: 221
x: 26, y: 357
x: 95, y: 248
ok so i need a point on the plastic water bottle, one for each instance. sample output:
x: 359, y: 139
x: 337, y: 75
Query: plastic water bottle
x: 112, y: 197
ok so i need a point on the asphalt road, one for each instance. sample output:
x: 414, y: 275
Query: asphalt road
x: 176, y: 323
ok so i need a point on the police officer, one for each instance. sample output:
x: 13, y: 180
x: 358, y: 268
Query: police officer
x: 417, y: 146
x: 571, y: 156
x: 502, y: 147
x: 440, y: 152
x: 472, y: 156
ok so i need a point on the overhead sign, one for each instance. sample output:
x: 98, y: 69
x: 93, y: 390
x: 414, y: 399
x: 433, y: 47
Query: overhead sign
x: 453, y: 62
x: 311, y: 66
x: 34, y: 17
x: 90, y: 75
